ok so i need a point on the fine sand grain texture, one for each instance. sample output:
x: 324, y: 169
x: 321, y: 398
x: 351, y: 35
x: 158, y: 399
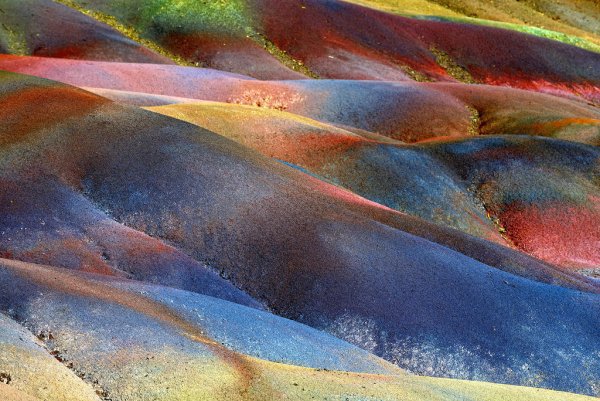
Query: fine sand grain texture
x: 299, y: 200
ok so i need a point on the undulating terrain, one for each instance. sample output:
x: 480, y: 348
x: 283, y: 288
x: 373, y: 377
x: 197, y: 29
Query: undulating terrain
x: 299, y: 200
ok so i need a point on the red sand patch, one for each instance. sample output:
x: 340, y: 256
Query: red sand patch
x: 20, y: 110
x: 562, y: 235
x: 228, y: 53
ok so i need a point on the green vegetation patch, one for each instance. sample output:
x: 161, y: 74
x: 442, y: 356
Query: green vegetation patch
x: 231, y: 17
x: 13, y: 41
x: 146, y: 21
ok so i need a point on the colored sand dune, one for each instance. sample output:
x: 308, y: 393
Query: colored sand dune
x: 573, y: 22
x: 299, y: 199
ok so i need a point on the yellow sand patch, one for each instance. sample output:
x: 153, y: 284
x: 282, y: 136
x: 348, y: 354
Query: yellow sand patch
x: 296, y: 383
x: 40, y: 375
x: 226, y: 118
x: 9, y: 393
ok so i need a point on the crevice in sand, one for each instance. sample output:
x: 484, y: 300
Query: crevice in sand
x: 449, y: 65
x: 474, y: 121
x: 46, y: 341
x: 282, y: 56
x: 414, y: 74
